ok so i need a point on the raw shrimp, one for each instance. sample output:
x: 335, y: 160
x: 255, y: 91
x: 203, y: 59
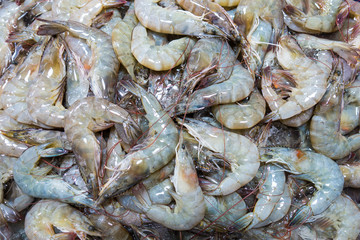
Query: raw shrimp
x: 190, y: 206
x: 159, y: 58
x: 46, y: 214
x: 351, y: 172
x: 34, y: 182
x: 236, y: 88
x: 104, y: 63
x: 121, y: 40
x: 223, y: 211
x: 85, y: 117
x: 325, y: 21
x: 14, y: 92
x: 299, y: 119
x: 242, y: 115
x: 170, y: 21
x: 241, y: 153
x: 111, y: 229
x: 325, y: 134
x: 227, y: 3
x: 323, y: 172
x: 270, y: 191
x: 350, y: 115
x: 213, y: 13
x: 310, y: 77
x: 148, y: 157
x: 45, y: 95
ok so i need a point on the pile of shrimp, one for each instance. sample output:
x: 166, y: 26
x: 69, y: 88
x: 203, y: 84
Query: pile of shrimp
x: 186, y: 119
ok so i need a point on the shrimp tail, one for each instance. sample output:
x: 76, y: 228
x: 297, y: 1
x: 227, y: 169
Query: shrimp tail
x: 23, y: 36
x: 293, y: 11
x: 273, y: 116
x: 128, y: 132
x: 102, y: 19
x: 143, y: 197
x: 349, y: 53
x: 10, y: 214
x: 300, y: 216
x: 344, y: 11
x: 52, y: 28
x: 243, y: 222
x: 132, y: 87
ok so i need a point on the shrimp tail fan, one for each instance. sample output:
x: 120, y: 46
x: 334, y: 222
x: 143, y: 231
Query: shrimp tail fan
x: 51, y: 28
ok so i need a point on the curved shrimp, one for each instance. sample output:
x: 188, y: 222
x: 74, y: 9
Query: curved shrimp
x: 351, y: 172
x: 242, y: 154
x: 153, y: 154
x: 299, y: 119
x: 242, y: 115
x: 33, y: 181
x: 236, y: 88
x: 213, y: 13
x: 159, y: 58
x: 190, y: 206
x: 170, y: 21
x: 310, y: 77
x: 44, y: 99
x: 313, y: 167
x: 270, y: 191
x: 14, y: 92
x: 46, y: 214
x: 324, y: 22
x: 85, y: 117
x: 121, y: 40
x: 325, y: 134
x: 105, y: 65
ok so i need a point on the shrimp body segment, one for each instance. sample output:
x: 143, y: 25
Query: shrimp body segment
x: 242, y: 154
x: 313, y: 167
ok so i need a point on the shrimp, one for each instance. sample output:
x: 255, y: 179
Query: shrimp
x: 105, y: 65
x: 299, y: 119
x: 242, y: 115
x: 227, y: 3
x: 44, y: 99
x: 270, y: 191
x: 32, y: 181
x: 110, y: 229
x: 90, y: 115
x: 350, y: 114
x: 325, y: 21
x: 121, y: 40
x: 170, y: 21
x: 351, y: 172
x: 159, y: 58
x: 241, y: 153
x: 313, y: 167
x: 213, y: 13
x: 153, y: 154
x: 222, y: 211
x: 14, y: 92
x: 325, y: 134
x: 310, y: 77
x: 236, y: 88
x: 46, y: 214
x: 190, y: 206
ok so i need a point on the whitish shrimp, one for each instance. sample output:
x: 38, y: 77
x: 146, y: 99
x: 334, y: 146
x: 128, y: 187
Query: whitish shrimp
x: 324, y: 22
x: 34, y: 182
x: 222, y: 211
x: 227, y: 3
x: 325, y: 134
x: 104, y: 63
x: 170, y: 21
x: 14, y: 92
x: 241, y: 153
x: 350, y: 115
x: 299, y: 119
x: 110, y: 229
x: 190, y: 206
x: 121, y: 40
x: 323, y: 172
x: 47, y: 214
x: 213, y: 13
x: 159, y: 58
x: 271, y: 188
x: 310, y: 79
x: 237, y: 87
x: 242, y: 115
x: 151, y: 155
x: 85, y: 117
x: 351, y: 172
x: 44, y: 99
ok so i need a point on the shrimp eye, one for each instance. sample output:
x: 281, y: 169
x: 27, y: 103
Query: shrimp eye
x: 183, y: 146
x: 91, y: 228
x: 338, y: 72
x: 107, y: 196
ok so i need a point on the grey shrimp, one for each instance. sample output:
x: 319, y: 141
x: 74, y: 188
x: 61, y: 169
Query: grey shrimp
x: 313, y: 167
x: 105, y: 65
x: 241, y: 152
x: 85, y: 117
x: 152, y: 155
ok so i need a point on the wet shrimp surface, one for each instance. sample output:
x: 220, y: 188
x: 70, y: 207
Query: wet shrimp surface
x: 179, y: 119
